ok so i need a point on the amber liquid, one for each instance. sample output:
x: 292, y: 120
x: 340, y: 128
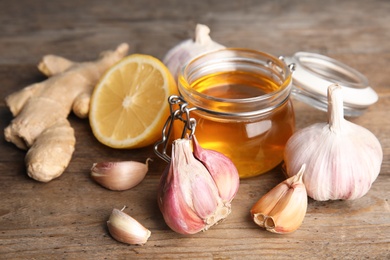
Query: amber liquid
x: 255, y: 146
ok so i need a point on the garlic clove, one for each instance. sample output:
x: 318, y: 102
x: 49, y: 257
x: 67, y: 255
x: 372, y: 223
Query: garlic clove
x: 343, y: 159
x: 185, y: 50
x: 221, y: 168
x: 119, y: 175
x: 126, y: 229
x: 283, y: 208
x: 188, y: 197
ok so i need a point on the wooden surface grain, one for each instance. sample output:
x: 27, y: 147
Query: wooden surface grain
x: 65, y: 219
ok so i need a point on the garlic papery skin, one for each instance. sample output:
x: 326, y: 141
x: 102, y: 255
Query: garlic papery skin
x: 342, y: 159
x: 119, y: 175
x: 188, y: 196
x: 126, y: 229
x: 283, y: 208
x: 221, y: 168
x: 188, y: 49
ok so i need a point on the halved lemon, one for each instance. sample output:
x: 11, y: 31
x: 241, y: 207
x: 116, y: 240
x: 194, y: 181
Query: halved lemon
x: 129, y: 105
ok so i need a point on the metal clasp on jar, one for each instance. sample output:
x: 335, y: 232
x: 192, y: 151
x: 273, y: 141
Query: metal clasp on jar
x: 179, y: 110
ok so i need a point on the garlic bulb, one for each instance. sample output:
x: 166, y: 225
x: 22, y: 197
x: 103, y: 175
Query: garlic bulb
x: 283, y: 208
x: 126, y: 229
x: 189, y: 198
x: 184, y: 51
x: 342, y: 159
x: 119, y: 175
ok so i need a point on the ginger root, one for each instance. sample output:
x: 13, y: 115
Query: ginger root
x: 41, y: 110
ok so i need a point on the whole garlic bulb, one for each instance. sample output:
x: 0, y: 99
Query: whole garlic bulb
x: 184, y: 51
x: 195, y: 194
x: 342, y: 159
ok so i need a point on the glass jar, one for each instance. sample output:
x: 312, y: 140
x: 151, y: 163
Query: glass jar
x: 242, y: 106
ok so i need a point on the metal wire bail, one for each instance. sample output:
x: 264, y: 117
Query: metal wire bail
x: 179, y: 110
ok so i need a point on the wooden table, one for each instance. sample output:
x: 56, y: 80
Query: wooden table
x: 65, y: 218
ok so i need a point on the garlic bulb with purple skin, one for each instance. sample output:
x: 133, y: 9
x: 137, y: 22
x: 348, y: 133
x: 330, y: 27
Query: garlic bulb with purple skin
x: 342, y: 159
x: 180, y: 54
x: 189, y: 196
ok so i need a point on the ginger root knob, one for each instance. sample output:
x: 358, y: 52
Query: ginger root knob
x: 41, y: 110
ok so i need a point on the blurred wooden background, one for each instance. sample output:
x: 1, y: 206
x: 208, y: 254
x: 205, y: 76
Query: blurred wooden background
x: 65, y: 218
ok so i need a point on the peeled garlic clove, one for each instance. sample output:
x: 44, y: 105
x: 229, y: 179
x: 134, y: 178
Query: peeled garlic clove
x: 119, y: 175
x: 188, y: 196
x: 126, y: 229
x: 283, y: 208
x: 184, y: 51
x: 343, y: 159
x: 221, y: 168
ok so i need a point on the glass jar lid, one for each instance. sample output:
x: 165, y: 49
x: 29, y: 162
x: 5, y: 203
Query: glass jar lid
x: 314, y: 73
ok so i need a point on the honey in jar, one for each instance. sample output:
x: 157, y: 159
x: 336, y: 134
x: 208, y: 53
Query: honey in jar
x: 242, y: 106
